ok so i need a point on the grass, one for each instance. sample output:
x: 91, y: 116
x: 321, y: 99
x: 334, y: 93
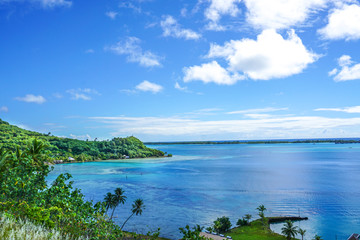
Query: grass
x: 254, y: 231
x: 12, y: 229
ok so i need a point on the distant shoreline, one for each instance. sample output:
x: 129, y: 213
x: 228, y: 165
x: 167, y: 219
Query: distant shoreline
x: 330, y: 140
x: 119, y: 159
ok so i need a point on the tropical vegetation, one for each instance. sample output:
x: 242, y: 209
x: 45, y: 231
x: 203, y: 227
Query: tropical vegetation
x: 57, y: 208
x: 289, y: 230
x: 13, y: 137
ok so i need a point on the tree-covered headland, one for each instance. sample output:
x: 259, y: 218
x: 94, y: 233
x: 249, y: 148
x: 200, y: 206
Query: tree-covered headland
x: 13, y: 137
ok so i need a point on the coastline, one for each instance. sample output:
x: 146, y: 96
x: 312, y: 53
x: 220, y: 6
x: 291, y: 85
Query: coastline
x: 271, y: 141
x: 110, y: 160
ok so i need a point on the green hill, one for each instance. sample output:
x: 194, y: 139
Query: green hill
x: 62, y: 148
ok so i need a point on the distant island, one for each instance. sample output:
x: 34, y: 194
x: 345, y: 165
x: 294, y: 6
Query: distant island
x: 69, y: 150
x: 328, y: 140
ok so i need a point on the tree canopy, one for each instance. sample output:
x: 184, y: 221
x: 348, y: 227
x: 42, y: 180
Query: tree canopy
x: 58, y: 148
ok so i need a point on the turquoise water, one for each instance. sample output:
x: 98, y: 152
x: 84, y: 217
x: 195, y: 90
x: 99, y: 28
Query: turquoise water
x: 203, y: 182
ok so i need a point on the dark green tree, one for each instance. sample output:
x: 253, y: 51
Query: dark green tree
x: 261, y: 208
x: 118, y: 198
x: 289, y: 230
x: 137, y: 208
x: 222, y: 224
x: 247, y: 217
x: 109, y: 201
x: 35, y: 149
x: 192, y: 234
x: 317, y: 237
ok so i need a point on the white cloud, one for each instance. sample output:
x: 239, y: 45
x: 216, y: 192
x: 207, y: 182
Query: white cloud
x: 281, y: 14
x: 131, y: 48
x: 111, y: 14
x: 177, y: 86
x: 257, y: 110
x: 257, y: 115
x: 82, y: 93
x: 270, y: 56
x: 30, y: 98
x: 344, y: 60
x: 210, y: 72
x: 4, y: 109
x: 355, y: 109
x: 130, y: 5
x: 343, y: 23
x: 43, y: 3
x: 272, y: 127
x: 81, y: 137
x: 348, y: 70
x: 217, y: 9
x: 55, y: 3
x: 333, y: 72
x: 173, y: 29
x: 147, y: 86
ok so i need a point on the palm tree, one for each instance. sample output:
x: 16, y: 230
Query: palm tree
x: 35, y: 149
x: 247, y: 217
x: 263, y: 220
x: 289, y: 230
x: 261, y: 208
x: 137, y: 208
x: 317, y: 237
x: 302, y: 233
x: 108, y: 201
x: 118, y: 198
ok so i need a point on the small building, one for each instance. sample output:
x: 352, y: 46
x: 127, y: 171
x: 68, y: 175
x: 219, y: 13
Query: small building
x: 354, y: 236
x: 127, y: 157
x: 71, y: 159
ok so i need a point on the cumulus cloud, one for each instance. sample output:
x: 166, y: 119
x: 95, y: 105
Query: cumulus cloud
x: 111, y: 14
x: 171, y: 28
x: 217, y: 9
x: 210, y: 72
x: 269, y: 56
x: 348, y: 70
x: 131, y: 48
x: 4, y: 109
x: 82, y: 93
x: 343, y: 23
x: 147, y: 86
x: 355, y: 109
x: 281, y: 14
x: 30, y: 98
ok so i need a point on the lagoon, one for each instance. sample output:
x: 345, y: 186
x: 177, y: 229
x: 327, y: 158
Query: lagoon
x: 203, y: 182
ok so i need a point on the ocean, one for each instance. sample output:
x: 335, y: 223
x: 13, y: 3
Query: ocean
x: 203, y: 182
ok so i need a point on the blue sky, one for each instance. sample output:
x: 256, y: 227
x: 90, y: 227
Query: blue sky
x: 181, y: 70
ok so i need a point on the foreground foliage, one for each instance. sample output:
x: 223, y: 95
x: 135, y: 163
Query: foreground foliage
x: 25, y: 196
x: 11, y: 228
x: 12, y: 137
x: 192, y: 234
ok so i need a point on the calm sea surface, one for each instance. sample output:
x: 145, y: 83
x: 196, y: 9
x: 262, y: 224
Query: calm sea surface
x: 203, y: 182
